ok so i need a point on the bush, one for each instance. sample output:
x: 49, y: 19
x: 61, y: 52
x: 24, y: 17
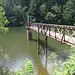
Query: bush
x: 28, y: 67
x: 67, y: 67
x: 28, y: 70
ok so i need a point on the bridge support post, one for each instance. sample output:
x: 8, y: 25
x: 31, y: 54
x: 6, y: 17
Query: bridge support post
x: 46, y: 44
x: 63, y: 37
x: 38, y: 41
x: 29, y: 31
x: 55, y: 31
x: 46, y: 61
x: 49, y: 30
x: 29, y: 34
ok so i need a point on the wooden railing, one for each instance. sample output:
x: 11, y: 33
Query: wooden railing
x: 63, y: 33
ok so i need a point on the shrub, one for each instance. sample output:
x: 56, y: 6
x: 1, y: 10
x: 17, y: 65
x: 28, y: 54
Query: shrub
x: 67, y: 67
x: 28, y: 66
x: 28, y: 70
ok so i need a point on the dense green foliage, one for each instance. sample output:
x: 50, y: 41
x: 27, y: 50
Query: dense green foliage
x: 28, y: 68
x: 67, y: 67
x: 3, y: 19
x: 47, y: 11
x: 4, y: 58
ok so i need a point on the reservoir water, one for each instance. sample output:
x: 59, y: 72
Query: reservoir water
x: 18, y: 48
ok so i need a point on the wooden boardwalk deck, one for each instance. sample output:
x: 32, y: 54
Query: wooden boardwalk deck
x: 68, y: 39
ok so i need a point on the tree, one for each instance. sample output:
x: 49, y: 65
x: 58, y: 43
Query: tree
x: 69, y: 12
x: 47, y: 11
x: 50, y: 17
x: 3, y: 19
x: 61, y: 3
x: 58, y: 10
x: 33, y: 9
x: 16, y: 12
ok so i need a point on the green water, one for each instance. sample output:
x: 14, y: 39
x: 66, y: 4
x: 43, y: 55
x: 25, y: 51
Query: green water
x: 17, y: 46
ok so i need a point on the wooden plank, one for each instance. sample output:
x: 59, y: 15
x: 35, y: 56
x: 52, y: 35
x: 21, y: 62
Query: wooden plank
x: 51, y: 34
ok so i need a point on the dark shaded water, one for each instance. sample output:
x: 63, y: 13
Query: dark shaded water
x: 17, y: 46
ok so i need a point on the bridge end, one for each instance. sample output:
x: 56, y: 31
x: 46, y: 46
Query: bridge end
x: 29, y: 34
x: 29, y: 31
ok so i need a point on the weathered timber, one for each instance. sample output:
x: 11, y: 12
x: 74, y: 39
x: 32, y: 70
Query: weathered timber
x: 29, y: 31
x: 46, y: 44
x: 38, y: 41
x: 63, y: 33
x: 29, y: 34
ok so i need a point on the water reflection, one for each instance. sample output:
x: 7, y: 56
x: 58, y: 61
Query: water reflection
x: 19, y: 49
x: 54, y: 54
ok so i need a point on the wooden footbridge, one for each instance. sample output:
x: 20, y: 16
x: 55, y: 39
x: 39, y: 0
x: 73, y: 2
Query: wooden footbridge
x: 62, y: 33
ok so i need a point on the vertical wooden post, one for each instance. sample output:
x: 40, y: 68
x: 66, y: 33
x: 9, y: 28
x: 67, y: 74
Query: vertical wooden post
x: 46, y: 61
x: 63, y: 37
x: 38, y: 41
x: 29, y: 31
x: 29, y: 34
x: 49, y: 30
x: 46, y: 44
x: 55, y: 31
x: 44, y: 29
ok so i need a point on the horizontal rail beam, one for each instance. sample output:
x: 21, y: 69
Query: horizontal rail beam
x: 54, y: 25
x: 64, y: 33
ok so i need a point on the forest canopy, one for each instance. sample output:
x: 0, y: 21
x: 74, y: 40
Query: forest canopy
x: 46, y: 11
